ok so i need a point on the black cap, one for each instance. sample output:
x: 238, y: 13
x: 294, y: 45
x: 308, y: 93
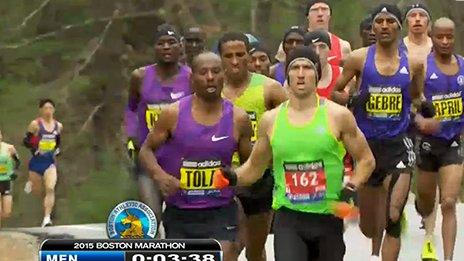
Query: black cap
x: 313, y: 2
x: 166, y: 29
x: 409, y: 8
x: 194, y: 33
x: 294, y: 29
x: 316, y: 37
x: 259, y: 47
x: 304, y: 52
x: 389, y: 8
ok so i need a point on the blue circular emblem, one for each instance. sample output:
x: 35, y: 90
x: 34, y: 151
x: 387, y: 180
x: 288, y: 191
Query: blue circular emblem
x: 132, y: 220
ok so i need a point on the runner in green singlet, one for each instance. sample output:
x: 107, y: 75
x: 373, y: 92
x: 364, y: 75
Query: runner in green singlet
x: 305, y: 139
x: 9, y: 161
x: 255, y: 93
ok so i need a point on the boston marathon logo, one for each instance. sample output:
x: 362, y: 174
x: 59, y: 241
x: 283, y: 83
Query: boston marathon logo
x: 198, y: 175
x: 384, y: 102
x: 132, y: 220
x: 448, y: 106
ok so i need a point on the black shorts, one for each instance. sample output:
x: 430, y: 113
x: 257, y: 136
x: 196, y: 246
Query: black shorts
x: 5, y: 188
x: 218, y: 223
x: 257, y: 198
x: 300, y: 236
x: 392, y: 156
x: 434, y: 153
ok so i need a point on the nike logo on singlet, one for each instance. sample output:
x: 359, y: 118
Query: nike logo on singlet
x: 176, y: 95
x: 214, y: 138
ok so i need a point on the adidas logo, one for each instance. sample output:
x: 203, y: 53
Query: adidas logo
x: 404, y: 70
x: 454, y: 144
x: 401, y: 165
x: 433, y: 76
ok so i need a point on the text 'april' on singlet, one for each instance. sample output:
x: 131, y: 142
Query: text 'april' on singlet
x: 194, y: 153
x: 445, y: 92
x: 386, y: 112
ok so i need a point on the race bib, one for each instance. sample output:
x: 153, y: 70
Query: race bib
x: 254, y: 125
x: 305, y: 182
x: 46, y: 145
x: 3, y: 169
x: 385, y: 103
x: 198, y: 175
x: 447, y: 107
x: 152, y: 114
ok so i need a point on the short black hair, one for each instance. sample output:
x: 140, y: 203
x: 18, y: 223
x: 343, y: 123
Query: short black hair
x: 365, y: 24
x: 294, y: 29
x: 233, y: 36
x: 313, y: 2
x: 44, y: 101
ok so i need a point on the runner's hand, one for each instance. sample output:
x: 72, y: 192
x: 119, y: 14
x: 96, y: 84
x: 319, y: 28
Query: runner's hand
x: 349, y: 195
x: 224, y: 177
x: 13, y: 176
x: 358, y: 100
x: 426, y: 125
x: 168, y: 184
x: 347, y: 207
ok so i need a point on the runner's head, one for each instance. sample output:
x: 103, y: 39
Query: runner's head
x: 260, y: 61
x: 318, y: 14
x: 418, y: 17
x: 233, y: 48
x: 365, y: 31
x: 46, y: 107
x: 207, y: 77
x: 443, y: 36
x: 293, y: 37
x: 303, y: 69
x: 319, y: 41
x: 386, y: 22
x: 194, y: 42
x: 167, y: 45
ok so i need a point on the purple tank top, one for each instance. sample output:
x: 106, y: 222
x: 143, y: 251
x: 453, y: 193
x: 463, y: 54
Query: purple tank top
x: 192, y: 155
x: 445, y: 92
x: 280, y: 73
x: 154, y: 95
x: 386, y: 113
x: 47, y: 139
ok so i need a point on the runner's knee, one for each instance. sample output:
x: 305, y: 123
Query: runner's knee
x: 448, y: 205
x: 393, y: 228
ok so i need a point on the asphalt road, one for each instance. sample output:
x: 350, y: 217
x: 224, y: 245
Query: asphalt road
x: 358, y: 247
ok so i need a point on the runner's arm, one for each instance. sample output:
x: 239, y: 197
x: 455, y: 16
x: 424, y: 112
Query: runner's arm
x: 130, y: 113
x: 357, y: 147
x: 346, y: 50
x: 416, y: 88
x: 14, y: 156
x: 157, y: 136
x: 350, y: 69
x: 253, y: 168
x: 244, y: 136
x: 274, y: 94
x: 31, y: 140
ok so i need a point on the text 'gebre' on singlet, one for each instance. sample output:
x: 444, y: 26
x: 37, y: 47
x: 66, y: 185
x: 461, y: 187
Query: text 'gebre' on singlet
x: 6, y: 163
x: 154, y: 95
x: 386, y: 112
x: 193, y: 153
x: 307, y: 163
x: 446, y: 94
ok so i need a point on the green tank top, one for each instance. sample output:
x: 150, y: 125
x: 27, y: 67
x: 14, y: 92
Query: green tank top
x: 6, y: 163
x: 307, y: 163
x: 252, y: 101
